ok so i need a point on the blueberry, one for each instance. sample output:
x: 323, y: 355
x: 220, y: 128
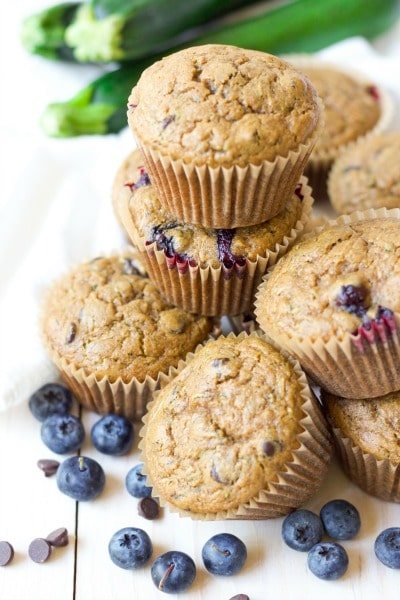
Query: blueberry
x: 81, y: 478
x: 341, y: 520
x: 173, y: 572
x: 352, y: 298
x: 130, y: 548
x: 50, y: 399
x: 224, y: 554
x: 62, y: 433
x: 387, y: 547
x: 328, y: 560
x: 112, y: 434
x: 135, y: 482
x: 302, y: 529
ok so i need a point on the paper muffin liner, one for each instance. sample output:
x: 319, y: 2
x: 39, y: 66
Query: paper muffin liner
x: 224, y: 197
x: 358, y: 366
x: 294, y: 484
x: 379, y: 478
x: 102, y: 396
x: 207, y: 290
x: 320, y: 162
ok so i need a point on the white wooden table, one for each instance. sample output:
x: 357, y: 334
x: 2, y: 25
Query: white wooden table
x: 31, y: 506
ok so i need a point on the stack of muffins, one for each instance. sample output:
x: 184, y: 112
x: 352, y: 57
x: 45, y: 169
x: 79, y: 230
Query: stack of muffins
x: 215, y: 192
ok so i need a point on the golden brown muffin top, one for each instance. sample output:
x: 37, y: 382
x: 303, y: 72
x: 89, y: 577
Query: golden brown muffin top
x: 221, y: 430
x: 223, y: 105
x: 201, y: 245
x: 373, y: 424
x: 352, y: 107
x: 335, y: 281
x: 106, y: 318
x: 367, y: 175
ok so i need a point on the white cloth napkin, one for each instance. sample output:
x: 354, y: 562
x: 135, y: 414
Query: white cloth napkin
x: 55, y: 207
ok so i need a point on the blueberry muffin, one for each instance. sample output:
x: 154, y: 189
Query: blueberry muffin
x: 204, y: 270
x: 225, y: 132
x: 333, y: 302
x: 367, y: 175
x: 366, y: 434
x: 236, y: 434
x: 111, y: 334
x: 354, y: 106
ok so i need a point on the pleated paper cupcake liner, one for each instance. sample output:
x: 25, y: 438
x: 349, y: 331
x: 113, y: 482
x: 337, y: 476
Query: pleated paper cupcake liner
x: 365, y: 365
x: 207, y: 290
x: 297, y: 481
x: 227, y: 197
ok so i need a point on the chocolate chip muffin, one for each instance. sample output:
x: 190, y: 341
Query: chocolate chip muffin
x: 225, y: 132
x: 177, y: 253
x: 366, y: 434
x: 332, y: 301
x: 354, y: 106
x: 367, y: 175
x: 237, y: 433
x: 111, y: 333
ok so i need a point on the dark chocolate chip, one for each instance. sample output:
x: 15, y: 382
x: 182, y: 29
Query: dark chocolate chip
x: 148, y: 508
x: 48, y: 466
x: 58, y: 537
x: 6, y: 553
x: 240, y: 597
x: 39, y: 550
x: 71, y: 333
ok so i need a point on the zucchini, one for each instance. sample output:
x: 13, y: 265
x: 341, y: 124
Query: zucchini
x: 103, y: 31
x: 301, y: 26
x: 43, y: 33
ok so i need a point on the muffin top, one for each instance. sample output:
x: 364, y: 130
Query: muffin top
x: 352, y: 108
x: 367, y: 175
x: 223, y: 428
x: 335, y: 282
x: 108, y: 319
x: 197, y: 244
x: 373, y: 424
x: 222, y: 105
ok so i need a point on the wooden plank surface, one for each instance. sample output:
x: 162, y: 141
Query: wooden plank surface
x: 31, y: 506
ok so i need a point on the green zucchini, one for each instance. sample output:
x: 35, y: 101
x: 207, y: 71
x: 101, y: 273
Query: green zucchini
x: 103, y: 31
x: 301, y: 26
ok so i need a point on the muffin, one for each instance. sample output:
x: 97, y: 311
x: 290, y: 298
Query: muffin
x: 111, y: 334
x: 333, y: 302
x: 366, y: 435
x: 367, y: 175
x: 225, y: 133
x: 207, y: 271
x: 237, y: 433
x: 354, y: 106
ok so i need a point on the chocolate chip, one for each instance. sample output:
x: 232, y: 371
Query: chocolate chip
x: 48, y: 466
x: 39, y: 550
x: 240, y: 597
x: 148, y: 508
x: 6, y: 553
x: 58, y: 537
x: 71, y: 333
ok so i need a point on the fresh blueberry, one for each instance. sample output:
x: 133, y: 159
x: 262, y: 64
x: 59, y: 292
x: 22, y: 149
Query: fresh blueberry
x: 328, y: 560
x: 62, y: 433
x: 112, y: 434
x: 135, y: 482
x: 50, y: 399
x: 81, y: 478
x: 351, y: 298
x: 387, y: 547
x: 130, y: 548
x: 224, y: 554
x: 173, y: 572
x: 341, y: 519
x: 302, y: 529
